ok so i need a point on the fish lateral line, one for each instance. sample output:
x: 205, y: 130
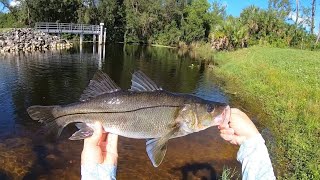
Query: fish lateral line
x: 109, y: 112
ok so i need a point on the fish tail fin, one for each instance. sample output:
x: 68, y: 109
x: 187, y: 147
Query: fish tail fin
x: 44, y: 114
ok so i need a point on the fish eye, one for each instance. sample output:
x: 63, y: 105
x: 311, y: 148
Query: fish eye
x: 210, y: 108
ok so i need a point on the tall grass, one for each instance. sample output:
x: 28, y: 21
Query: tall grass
x: 283, y: 86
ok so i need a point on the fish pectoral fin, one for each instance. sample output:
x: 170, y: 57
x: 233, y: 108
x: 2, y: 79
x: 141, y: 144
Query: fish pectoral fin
x: 101, y: 83
x: 156, y: 151
x: 157, y: 148
x: 84, y: 132
x: 141, y: 82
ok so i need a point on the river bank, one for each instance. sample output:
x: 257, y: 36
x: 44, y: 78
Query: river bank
x: 282, y: 87
x: 28, y: 40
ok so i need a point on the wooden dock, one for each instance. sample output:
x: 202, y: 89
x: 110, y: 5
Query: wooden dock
x: 58, y: 28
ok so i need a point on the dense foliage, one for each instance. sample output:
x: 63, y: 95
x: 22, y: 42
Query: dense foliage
x: 169, y: 22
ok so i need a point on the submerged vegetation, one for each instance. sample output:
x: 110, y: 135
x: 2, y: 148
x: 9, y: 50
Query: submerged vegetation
x: 283, y: 85
x: 172, y: 22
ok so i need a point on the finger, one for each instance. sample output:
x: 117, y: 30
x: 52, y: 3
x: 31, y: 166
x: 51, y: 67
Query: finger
x: 227, y: 115
x: 103, y: 137
x: 228, y: 131
x: 112, y: 143
x: 234, y: 141
x: 97, y: 134
x: 235, y: 111
x: 111, y: 150
x: 227, y: 137
x: 223, y: 126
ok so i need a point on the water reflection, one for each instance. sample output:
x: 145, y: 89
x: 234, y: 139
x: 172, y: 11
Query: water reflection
x: 60, y: 77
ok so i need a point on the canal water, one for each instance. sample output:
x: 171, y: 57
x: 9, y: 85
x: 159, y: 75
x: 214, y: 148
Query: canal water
x: 59, y: 77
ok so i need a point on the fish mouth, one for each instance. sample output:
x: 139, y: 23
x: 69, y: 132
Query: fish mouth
x: 223, y: 117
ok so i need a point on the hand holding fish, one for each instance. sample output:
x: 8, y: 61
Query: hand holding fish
x: 239, y: 128
x: 145, y: 111
x: 100, y: 148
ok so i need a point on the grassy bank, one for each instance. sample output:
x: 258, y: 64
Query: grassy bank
x: 283, y: 87
x: 2, y: 30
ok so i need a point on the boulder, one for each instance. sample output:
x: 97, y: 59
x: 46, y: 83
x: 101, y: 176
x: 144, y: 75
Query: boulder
x: 27, y: 39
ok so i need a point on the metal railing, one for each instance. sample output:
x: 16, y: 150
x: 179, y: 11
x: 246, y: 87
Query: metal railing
x: 67, y: 28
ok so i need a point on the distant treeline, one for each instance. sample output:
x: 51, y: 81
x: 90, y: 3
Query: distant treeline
x: 176, y: 22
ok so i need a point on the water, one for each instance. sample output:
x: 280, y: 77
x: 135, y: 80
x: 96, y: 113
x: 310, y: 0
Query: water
x: 60, y: 77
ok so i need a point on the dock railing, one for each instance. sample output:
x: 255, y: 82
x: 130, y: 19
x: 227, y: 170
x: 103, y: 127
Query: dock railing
x: 50, y: 27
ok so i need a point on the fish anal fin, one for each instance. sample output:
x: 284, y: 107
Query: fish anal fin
x: 141, y: 82
x: 101, y: 83
x: 83, y: 132
x: 157, y: 148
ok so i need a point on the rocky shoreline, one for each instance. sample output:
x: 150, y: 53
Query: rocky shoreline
x: 29, y: 40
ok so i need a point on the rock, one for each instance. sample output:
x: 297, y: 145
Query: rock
x: 27, y: 39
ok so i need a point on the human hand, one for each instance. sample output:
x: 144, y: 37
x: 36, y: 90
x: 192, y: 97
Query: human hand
x: 100, y: 148
x: 239, y: 128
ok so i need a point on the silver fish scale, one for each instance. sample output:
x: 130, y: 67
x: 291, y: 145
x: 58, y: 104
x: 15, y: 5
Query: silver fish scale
x: 140, y: 124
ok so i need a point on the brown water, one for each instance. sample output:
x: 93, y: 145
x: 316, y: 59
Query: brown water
x: 60, y: 77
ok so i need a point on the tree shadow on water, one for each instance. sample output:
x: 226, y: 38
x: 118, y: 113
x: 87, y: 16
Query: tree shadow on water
x: 203, y: 171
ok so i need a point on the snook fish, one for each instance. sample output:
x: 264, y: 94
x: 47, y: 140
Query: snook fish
x: 145, y: 111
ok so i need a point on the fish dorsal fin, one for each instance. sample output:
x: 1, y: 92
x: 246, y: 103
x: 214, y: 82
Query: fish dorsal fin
x: 101, y: 83
x: 141, y: 82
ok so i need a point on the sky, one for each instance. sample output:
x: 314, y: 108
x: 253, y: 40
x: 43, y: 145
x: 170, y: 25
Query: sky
x: 234, y: 7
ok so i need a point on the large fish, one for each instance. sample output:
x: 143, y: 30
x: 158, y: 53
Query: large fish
x: 145, y: 111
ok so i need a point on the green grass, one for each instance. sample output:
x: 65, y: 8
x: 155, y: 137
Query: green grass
x: 2, y: 30
x: 283, y: 87
x: 228, y: 173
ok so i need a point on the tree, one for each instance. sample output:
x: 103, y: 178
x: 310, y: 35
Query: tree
x: 111, y: 12
x: 196, y: 23
x: 12, y: 9
x: 297, y: 12
x: 313, y: 15
x: 52, y: 11
x: 318, y: 37
x: 218, y: 14
x: 281, y: 7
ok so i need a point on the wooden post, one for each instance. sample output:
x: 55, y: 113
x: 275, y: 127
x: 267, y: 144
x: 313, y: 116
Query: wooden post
x: 101, y: 33
x: 81, y: 38
x: 94, y: 39
x: 104, y: 35
x: 94, y: 43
